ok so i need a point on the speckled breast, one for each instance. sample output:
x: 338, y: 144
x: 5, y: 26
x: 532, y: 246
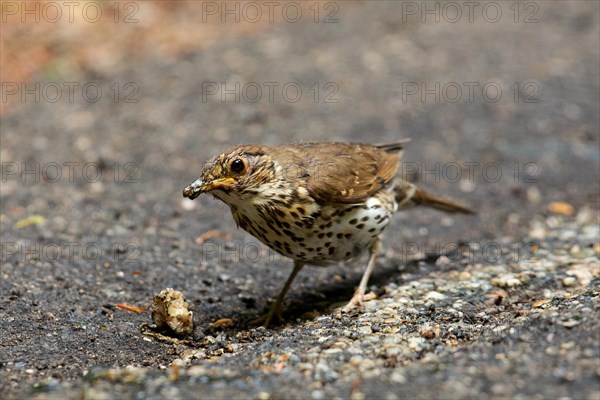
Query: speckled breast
x: 318, y: 234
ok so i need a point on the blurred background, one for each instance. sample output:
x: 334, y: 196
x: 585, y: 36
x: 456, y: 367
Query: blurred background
x: 498, y: 101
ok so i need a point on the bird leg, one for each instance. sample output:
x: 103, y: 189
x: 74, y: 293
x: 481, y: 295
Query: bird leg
x: 275, y: 310
x: 357, y: 299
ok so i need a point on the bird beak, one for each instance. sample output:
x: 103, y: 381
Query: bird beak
x: 194, y: 190
x: 199, y: 186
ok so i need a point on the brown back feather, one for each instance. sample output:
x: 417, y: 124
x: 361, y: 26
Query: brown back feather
x: 342, y: 172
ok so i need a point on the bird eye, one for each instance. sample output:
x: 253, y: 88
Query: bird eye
x: 237, y: 166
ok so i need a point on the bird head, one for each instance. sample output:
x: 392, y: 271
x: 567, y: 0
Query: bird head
x: 232, y: 173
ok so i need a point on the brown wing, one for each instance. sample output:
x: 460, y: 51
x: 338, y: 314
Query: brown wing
x: 344, y: 172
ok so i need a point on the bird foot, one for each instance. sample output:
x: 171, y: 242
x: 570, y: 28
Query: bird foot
x: 267, y: 319
x: 358, y: 300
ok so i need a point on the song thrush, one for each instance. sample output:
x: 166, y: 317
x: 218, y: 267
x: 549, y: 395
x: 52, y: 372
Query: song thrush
x: 316, y: 203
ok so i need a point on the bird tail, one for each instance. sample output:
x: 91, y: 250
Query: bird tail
x: 393, y: 147
x: 408, y: 195
x: 423, y: 198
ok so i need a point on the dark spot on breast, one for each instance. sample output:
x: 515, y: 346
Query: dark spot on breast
x: 286, y: 224
x: 348, y: 235
x: 321, y: 235
x: 339, y: 235
x: 294, y: 214
x: 327, y: 244
x: 348, y: 254
x: 363, y: 219
x: 280, y: 212
x: 329, y: 234
x: 299, y: 223
x: 372, y: 230
x: 288, y: 232
x: 360, y: 226
x: 301, y: 210
x: 331, y: 251
x: 353, y: 221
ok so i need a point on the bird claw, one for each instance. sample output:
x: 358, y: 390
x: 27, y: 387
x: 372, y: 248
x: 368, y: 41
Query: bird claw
x: 357, y: 301
x: 266, y: 319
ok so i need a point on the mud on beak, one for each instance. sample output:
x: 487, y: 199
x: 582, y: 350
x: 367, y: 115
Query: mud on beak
x: 199, y: 186
x: 194, y: 190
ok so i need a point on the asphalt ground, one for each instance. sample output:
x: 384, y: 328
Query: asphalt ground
x: 502, y: 110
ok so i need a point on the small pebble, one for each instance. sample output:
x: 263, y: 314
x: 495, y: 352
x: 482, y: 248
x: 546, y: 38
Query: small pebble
x: 317, y: 394
x: 569, y: 281
x: 570, y: 323
x: 533, y: 195
x: 508, y: 280
x: 464, y: 275
x: 416, y: 343
x: 397, y: 377
x: 365, y: 330
x: 433, y: 295
x: 560, y: 207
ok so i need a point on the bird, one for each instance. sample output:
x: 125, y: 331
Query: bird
x: 317, y: 203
